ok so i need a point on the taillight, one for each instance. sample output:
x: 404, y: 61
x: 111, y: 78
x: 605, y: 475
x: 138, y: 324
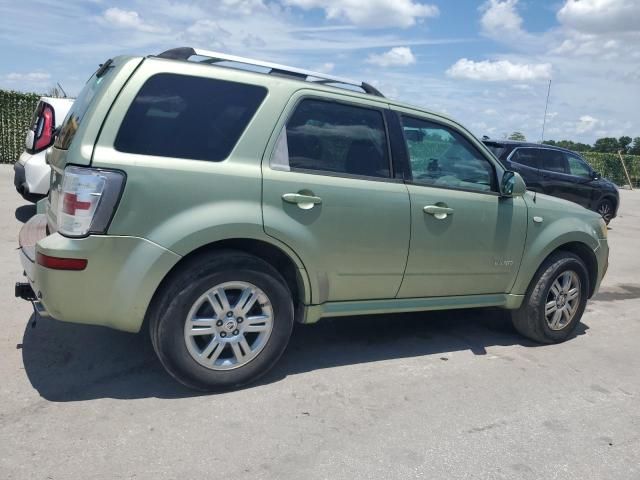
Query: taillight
x: 87, y: 200
x: 43, y: 131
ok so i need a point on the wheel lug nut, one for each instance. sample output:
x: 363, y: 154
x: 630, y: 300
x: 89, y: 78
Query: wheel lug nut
x: 235, y: 332
x: 223, y: 334
x: 219, y: 323
x: 240, y: 319
x: 229, y: 314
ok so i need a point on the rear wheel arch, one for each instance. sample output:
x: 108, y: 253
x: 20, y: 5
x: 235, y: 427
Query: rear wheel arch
x: 271, y: 254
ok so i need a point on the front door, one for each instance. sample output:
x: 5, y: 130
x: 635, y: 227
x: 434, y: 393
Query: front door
x: 465, y: 238
x: 558, y: 181
x: 330, y: 195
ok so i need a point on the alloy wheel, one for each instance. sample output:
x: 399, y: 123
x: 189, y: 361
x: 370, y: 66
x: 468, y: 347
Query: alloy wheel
x: 605, y: 210
x: 563, y: 300
x: 228, y: 326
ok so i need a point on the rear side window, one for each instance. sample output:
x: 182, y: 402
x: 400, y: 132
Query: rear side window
x: 529, y: 157
x: 188, y: 117
x: 334, y: 138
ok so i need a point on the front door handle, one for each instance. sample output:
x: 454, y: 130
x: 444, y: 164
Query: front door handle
x: 437, y: 211
x: 305, y: 202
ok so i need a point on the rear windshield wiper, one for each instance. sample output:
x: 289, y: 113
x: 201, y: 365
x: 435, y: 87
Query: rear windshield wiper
x: 103, y: 68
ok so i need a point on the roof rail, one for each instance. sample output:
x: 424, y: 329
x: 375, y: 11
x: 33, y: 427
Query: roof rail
x: 184, y: 53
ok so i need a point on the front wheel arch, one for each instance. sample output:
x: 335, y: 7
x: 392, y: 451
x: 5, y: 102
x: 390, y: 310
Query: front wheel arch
x: 586, y: 254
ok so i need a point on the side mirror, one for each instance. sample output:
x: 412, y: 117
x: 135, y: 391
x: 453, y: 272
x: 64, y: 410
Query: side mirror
x: 595, y: 175
x: 512, y: 185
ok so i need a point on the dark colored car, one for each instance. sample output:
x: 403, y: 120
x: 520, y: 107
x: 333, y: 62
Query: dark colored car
x: 558, y: 172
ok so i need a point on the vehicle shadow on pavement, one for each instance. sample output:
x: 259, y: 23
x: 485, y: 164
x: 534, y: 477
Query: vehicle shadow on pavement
x: 70, y: 362
x: 25, y: 212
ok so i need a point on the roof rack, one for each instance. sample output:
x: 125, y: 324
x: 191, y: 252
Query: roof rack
x: 184, y: 53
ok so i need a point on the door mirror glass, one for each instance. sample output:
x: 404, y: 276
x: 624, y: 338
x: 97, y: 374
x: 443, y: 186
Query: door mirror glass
x: 512, y: 185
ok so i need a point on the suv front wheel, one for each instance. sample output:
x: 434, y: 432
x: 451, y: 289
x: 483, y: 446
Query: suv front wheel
x: 555, y: 300
x: 223, y: 321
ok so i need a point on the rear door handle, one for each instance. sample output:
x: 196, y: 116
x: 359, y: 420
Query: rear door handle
x: 305, y: 202
x: 438, y: 212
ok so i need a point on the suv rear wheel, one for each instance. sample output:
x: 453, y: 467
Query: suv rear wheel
x: 555, y: 300
x: 223, y: 321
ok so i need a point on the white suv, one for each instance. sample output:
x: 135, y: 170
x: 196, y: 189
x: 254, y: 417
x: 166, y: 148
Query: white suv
x: 32, y: 172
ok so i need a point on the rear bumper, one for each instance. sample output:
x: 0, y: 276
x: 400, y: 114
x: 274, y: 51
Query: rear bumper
x: 114, y: 290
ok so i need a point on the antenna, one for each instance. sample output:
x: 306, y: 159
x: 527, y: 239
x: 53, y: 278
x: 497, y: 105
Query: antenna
x: 546, y: 105
x: 62, y: 90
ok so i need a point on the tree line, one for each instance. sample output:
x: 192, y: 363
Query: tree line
x: 602, y: 145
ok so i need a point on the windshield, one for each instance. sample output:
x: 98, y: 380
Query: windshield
x: 496, y: 148
x: 74, y: 118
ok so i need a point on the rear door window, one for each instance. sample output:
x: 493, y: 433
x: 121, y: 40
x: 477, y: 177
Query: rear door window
x: 188, y: 117
x: 331, y: 137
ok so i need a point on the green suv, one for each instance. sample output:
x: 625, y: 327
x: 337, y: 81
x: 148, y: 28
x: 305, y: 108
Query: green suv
x: 216, y: 200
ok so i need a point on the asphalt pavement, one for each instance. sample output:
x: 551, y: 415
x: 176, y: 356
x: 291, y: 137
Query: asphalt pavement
x: 447, y: 395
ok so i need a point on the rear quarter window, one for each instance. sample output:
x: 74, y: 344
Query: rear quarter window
x: 188, y: 117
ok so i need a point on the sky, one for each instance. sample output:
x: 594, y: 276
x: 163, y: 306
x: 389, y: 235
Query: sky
x: 485, y: 63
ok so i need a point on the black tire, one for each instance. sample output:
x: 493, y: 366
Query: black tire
x: 530, y: 320
x: 605, y: 209
x: 168, y: 315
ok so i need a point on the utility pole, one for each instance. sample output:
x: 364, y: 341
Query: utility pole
x: 544, y: 120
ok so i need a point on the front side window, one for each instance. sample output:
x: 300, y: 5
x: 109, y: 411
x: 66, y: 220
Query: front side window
x: 529, y: 157
x: 442, y: 157
x: 331, y: 137
x: 553, y: 161
x: 577, y: 166
x: 188, y: 117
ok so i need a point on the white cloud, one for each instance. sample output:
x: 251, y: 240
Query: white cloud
x: 501, y: 70
x: 500, y: 18
x: 27, y: 77
x: 207, y: 32
x: 244, y: 7
x: 26, y: 82
x: 397, y: 56
x: 601, y: 16
x: 125, y: 19
x: 325, y: 67
x: 373, y: 13
x: 586, y: 123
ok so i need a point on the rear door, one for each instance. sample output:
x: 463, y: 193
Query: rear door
x: 329, y: 193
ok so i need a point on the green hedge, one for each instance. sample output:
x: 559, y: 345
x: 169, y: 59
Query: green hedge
x: 609, y: 166
x: 16, y: 110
